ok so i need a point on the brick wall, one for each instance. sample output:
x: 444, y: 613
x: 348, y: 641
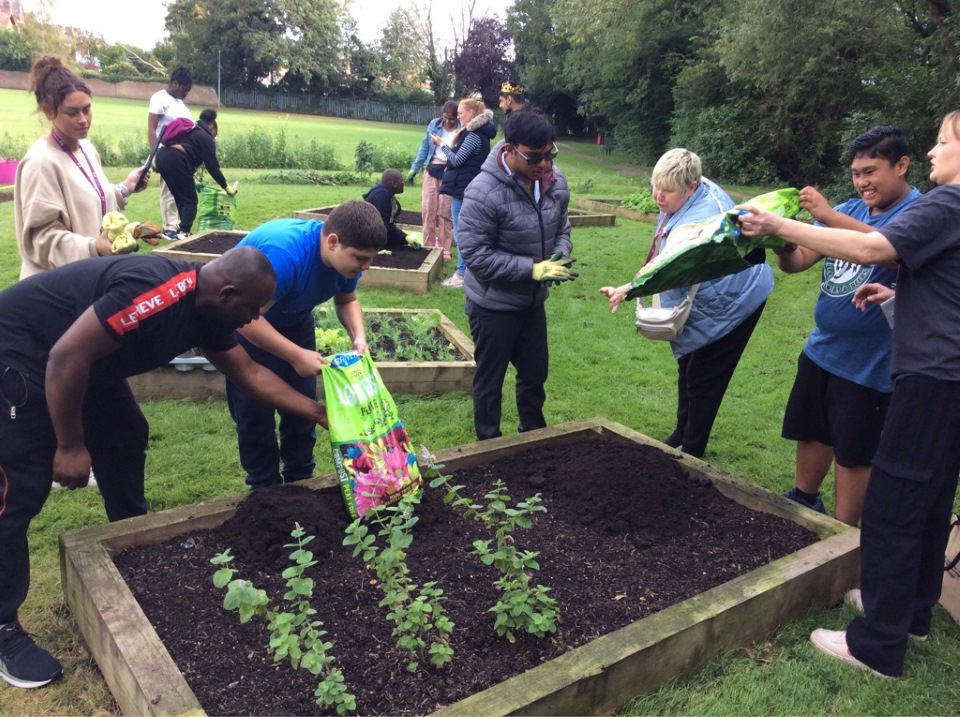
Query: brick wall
x: 200, y: 96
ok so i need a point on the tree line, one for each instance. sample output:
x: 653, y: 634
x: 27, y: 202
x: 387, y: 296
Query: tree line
x: 766, y: 91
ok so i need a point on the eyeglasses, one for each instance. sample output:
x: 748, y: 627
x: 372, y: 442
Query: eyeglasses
x: 534, y: 158
x: 447, y: 118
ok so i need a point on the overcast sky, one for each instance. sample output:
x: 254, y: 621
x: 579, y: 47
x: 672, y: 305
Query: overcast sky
x: 141, y: 22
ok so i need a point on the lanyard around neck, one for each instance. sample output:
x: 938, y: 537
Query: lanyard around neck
x: 91, y: 178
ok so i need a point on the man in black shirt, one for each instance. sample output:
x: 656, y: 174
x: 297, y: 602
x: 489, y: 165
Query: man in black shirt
x: 68, y: 340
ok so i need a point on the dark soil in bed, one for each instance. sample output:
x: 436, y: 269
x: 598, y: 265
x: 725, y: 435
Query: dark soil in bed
x: 627, y: 534
x: 219, y: 242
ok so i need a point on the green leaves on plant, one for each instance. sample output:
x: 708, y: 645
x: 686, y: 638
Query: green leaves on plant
x: 293, y: 635
x: 391, y: 337
x: 520, y: 606
x: 416, y: 611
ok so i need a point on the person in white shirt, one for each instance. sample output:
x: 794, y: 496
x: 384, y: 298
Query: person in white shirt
x: 167, y: 105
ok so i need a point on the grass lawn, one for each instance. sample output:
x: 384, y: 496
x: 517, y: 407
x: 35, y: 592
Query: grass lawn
x: 599, y: 367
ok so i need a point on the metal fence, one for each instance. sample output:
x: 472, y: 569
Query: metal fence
x: 330, y: 106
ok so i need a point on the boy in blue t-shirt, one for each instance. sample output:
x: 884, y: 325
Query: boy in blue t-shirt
x: 840, y: 395
x: 314, y: 262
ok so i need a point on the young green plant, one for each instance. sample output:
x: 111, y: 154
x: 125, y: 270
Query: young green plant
x: 293, y: 634
x: 416, y: 611
x: 522, y: 605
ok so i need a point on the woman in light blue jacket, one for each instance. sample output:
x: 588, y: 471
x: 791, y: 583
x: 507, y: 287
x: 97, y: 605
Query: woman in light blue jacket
x: 725, y: 310
x: 435, y: 207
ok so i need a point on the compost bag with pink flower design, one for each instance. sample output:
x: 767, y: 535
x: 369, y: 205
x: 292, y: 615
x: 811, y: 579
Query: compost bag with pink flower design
x: 371, y: 450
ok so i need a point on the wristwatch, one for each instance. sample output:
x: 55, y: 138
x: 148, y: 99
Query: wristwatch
x: 122, y: 188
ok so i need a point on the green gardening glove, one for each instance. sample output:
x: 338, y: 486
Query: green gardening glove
x: 414, y: 240
x: 410, y: 178
x: 555, y: 269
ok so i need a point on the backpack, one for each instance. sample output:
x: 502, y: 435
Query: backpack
x: 177, y: 129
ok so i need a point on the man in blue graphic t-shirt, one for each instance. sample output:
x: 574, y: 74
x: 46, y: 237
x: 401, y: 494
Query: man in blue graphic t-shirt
x: 839, y: 398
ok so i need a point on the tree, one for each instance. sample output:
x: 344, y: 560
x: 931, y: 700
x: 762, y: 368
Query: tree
x: 806, y: 71
x: 15, y: 51
x: 622, y: 61
x: 260, y: 41
x: 403, y: 52
x: 482, y: 63
x: 438, y: 68
x: 362, y: 70
x: 540, y: 60
x: 312, y: 48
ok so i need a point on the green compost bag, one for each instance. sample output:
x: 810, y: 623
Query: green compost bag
x: 216, y: 209
x: 371, y: 450
x: 710, y: 248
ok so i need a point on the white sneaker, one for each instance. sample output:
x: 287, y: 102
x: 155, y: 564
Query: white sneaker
x: 854, y: 598
x: 834, y: 644
x: 454, y: 281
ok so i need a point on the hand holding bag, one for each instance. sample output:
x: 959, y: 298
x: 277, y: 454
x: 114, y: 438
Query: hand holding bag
x: 664, y: 324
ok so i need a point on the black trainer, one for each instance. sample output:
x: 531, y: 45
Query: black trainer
x: 22, y: 662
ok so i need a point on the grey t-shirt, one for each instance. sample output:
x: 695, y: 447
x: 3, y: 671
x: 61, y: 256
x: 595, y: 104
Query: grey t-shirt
x: 926, y: 339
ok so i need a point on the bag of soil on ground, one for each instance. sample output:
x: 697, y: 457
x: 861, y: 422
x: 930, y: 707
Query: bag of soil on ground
x: 710, y: 248
x: 215, y: 209
x: 371, y: 450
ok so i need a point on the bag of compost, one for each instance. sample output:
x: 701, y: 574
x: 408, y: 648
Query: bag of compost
x: 371, y: 450
x: 711, y: 248
x: 215, y: 209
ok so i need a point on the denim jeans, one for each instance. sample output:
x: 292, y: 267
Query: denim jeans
x: 455, y: 204
x: 260, y: 455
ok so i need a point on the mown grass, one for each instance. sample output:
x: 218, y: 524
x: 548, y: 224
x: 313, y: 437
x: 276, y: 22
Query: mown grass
x: 599, y: 367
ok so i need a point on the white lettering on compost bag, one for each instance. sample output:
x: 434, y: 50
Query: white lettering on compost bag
x: 363, y: 390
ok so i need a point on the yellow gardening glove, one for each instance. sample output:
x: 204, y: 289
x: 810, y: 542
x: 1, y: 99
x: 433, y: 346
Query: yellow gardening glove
x: 554, y: 269
x: 231, y: 190
x: 121, y: 241
x: 415, y: 239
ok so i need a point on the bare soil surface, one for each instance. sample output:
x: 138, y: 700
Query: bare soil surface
x: 627, y: 534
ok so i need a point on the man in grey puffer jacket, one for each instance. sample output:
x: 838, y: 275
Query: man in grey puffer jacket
x: 515, y: 239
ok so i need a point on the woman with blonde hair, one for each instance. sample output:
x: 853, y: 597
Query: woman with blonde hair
x: 725, y: 310
x: 61, y: 193
x: 465, y: 155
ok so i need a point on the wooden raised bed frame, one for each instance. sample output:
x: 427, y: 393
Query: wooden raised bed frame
x: 596, y: 678
x: 409, y: 377
x: 412, y: 281
x: 599, y: 205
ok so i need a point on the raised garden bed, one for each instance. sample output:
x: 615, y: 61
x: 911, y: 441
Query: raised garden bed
x: 203, y: 246
x: 613, y: 206
x: 199, y: 380
x: 410, y: 270
x: 614, y: 504
x: 413, y: 221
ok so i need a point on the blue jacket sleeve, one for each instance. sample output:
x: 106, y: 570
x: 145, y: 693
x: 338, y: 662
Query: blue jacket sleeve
x: 426, y: 149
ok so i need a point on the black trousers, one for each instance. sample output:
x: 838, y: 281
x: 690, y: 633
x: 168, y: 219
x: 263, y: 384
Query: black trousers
x: 177, y: 171
x: 502, y: 338
x: 115, y: 433
x: 702, y: 379
x: 906, y: 521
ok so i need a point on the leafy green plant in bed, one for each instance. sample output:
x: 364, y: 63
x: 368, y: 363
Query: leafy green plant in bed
x: 404, y: 337
x: 641, y: 201
x: 416, y: 610
x: 522, y: 605
x: 293, y: 634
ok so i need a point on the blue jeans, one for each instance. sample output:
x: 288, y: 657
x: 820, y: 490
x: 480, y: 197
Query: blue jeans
x: 260, y: 455
x: 455, y: 204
